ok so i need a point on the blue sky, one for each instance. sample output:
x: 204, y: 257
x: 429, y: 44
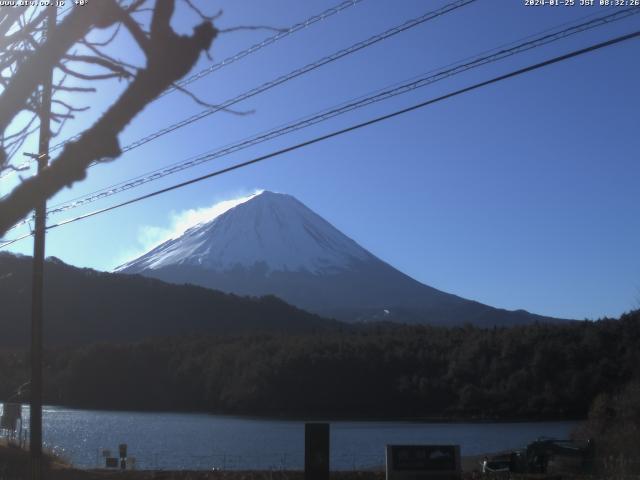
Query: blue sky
x: 519, y: 195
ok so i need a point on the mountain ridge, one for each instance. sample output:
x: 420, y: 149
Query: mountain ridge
x: 273, y: 228
x: 274, y: 244
x: 84, y: 306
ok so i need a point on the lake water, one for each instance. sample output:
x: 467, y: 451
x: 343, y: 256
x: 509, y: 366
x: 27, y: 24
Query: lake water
x: 201, y: 441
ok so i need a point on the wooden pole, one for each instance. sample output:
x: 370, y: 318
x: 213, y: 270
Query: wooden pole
x: 35, y: 416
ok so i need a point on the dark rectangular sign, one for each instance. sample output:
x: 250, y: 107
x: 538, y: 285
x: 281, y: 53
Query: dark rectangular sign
x: 316, y: 451
x: 111, y: 462
x: 427, y: 458
x: 423, y: 462
x: 11, y: 412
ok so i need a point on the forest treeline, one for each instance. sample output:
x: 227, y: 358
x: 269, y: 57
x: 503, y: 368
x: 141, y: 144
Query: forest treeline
x: 85, y: 306
x: 526, y: 372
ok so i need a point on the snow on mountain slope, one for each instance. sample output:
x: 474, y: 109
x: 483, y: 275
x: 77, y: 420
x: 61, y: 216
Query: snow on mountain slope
x: 272, y: 229
x: 273, y: 244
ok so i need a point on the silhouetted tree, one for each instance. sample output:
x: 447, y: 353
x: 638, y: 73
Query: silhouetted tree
x: 26, y: 54
x: 367, y: 371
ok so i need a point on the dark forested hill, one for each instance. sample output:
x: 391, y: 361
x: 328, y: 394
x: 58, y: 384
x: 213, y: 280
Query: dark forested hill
x: 85, y: 306
x: 274, y: 244
x: 526, y: 372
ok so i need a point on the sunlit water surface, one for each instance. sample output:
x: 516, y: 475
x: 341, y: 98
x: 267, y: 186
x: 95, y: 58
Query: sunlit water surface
x: 201, y: 441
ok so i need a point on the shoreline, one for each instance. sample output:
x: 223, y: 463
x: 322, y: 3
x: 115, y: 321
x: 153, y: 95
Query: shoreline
x: 320, y: 418
x: 16, y: 461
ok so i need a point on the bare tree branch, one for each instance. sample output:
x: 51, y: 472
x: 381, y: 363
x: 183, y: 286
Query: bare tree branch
x: 25, y: 81
x: 202, y: 103
x: 139, y: 35
x: 12, y: 15
x: 89, y: 76
x: 109, y: 39
x: 102, y: 62
x: 208, y: 18
x: 69, y: 107
x: 170, y: 57
x: 135, y: 6
x: 108, y: 58
x: 23, y: 33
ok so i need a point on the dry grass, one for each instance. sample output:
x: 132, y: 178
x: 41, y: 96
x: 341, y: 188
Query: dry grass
x: 14, y: 465
x: 279, y: 475
x: 14, y: 462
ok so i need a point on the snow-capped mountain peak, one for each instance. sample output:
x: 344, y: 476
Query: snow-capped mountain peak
x: 271, y: 230
x: 271, y: 244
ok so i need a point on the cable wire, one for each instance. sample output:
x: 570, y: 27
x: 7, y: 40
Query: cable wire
x: 264, y: 43
x: 351, y: 128
x: 237, y: 56
x: 380, y: 95
x: 14, y: 240
x: 291, y: 75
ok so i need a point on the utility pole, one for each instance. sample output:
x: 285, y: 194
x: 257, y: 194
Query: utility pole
x: 35, y: 416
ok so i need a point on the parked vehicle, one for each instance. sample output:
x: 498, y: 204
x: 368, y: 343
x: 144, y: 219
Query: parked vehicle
x: 546, y: 455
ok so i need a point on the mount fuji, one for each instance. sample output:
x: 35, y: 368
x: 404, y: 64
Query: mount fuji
x: 273, y: 244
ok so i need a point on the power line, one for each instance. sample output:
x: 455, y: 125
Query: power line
x: 416, y: 82
x: 357, y: 126
x: 266, y: 42
x: 291, y: 75
x: 380, y: 95
x: 241, y: 54
x: 294, y: 74
x: 14, y: 240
